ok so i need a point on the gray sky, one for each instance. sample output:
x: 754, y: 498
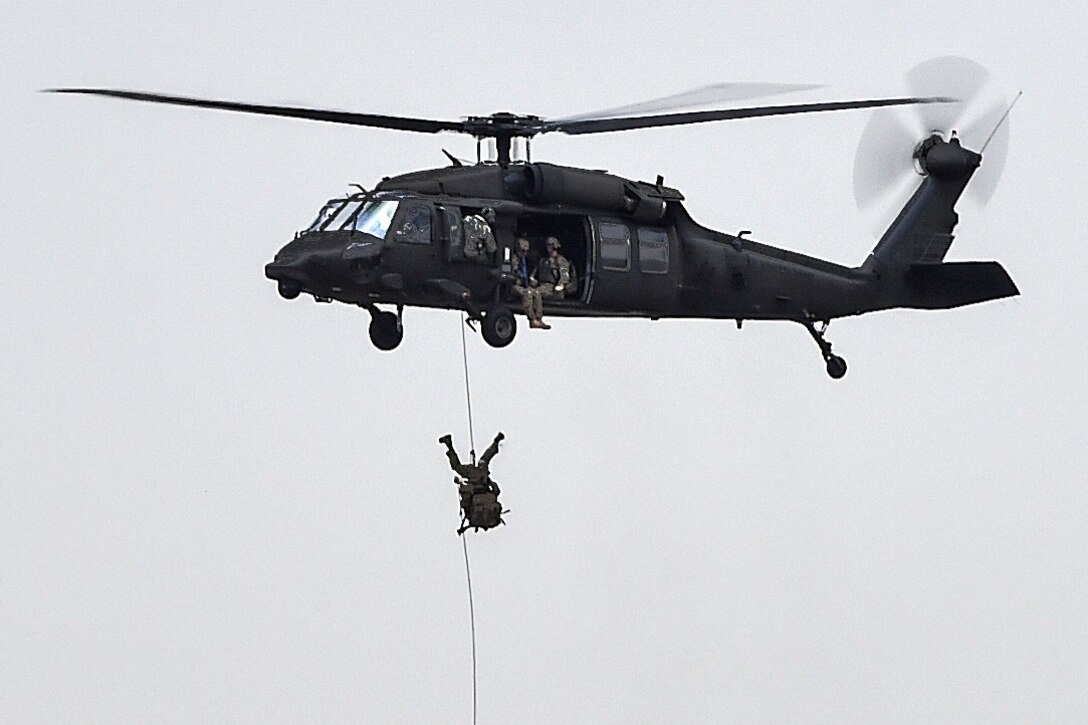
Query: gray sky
x: 216, y: 505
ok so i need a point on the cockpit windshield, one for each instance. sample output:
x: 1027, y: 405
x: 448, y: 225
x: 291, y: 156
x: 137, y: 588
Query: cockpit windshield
x: 373, y: 218
x: 376, y: 217
x: 325, y: 214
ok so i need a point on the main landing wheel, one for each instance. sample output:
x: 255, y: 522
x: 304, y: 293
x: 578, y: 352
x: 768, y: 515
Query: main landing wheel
x: 385, y: 332
x: 836, y: 366
x: 499, y: 326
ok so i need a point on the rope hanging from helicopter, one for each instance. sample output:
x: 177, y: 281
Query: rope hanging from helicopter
x: 468, y: 391
x: 472, y: 625
x: 464, y: 542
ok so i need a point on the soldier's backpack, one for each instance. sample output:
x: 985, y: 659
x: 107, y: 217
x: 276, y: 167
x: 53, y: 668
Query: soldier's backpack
x: 486, y: 510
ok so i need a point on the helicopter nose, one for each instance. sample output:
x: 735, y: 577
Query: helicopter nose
x: 306, y: 263
x: 361, y: 259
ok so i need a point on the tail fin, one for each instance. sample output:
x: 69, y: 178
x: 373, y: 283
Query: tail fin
x: 909, y: 258
x: 922, y: 233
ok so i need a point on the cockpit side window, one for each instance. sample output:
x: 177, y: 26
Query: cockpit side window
x: 415, y: 225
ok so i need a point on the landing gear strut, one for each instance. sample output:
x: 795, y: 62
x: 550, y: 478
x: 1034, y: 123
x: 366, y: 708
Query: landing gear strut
x: 386, y: 330
x: 836, y: 366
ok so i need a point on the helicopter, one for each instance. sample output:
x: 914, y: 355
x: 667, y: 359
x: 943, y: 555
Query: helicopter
x: 634, y: 248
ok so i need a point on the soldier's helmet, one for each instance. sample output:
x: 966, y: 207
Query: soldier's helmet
x: 488, y: 213
x: 552, y: 242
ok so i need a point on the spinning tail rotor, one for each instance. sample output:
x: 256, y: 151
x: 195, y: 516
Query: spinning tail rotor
x: 899, y: 145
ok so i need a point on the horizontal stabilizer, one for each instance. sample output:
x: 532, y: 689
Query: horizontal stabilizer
x: 953, y: 284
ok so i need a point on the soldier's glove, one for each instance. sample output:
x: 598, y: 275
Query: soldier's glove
x: 559, y: 288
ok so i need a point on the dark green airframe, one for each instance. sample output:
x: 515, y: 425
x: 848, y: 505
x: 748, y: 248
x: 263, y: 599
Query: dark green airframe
x: 636, y: 250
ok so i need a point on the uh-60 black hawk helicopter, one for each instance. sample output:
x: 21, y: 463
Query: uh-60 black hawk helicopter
x: 634, y: 248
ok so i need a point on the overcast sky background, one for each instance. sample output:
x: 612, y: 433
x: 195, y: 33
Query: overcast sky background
x: 217, y: 505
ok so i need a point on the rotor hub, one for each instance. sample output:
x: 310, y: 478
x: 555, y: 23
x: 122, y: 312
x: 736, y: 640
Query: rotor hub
x: 503, y: 124
x: 942, y: 159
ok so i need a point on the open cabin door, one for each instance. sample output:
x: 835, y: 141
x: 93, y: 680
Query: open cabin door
x: 572, y: 231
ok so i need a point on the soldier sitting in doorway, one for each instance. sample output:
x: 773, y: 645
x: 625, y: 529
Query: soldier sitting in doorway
x: 554, y: 273
x: 526, y: 285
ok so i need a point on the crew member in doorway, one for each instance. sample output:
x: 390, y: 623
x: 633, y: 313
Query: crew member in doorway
x: 479, y: 239
x: 526, y: 285
x: 553, y: 274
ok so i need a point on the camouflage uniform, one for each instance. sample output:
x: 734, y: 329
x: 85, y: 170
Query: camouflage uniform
x: 526, y: 285
x: 480, y: 507
x: 553, y: 273
x: 478, y: 237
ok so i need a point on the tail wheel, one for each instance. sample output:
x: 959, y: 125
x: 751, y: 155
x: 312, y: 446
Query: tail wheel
x: 836, y: 366
x: 499, y: 327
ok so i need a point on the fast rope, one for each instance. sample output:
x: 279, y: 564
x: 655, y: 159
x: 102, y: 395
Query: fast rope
x: 464, y: 542
x: 472, y: 622
x: 468, y: 392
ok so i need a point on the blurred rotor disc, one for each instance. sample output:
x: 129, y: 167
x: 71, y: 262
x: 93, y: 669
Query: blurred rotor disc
x: 884, y: 171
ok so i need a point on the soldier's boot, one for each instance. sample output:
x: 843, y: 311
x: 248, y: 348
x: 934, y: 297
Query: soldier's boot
x: 536, y: 324
x: 447, y: 440
x: 538, y: 313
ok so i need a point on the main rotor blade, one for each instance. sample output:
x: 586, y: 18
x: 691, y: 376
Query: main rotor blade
x: 702, y: 96
x: 604, y: 125
x: 400, y: 123
x: 948, y: 75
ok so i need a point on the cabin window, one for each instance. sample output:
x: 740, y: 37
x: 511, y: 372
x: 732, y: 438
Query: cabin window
x: 615, y: 247
x: 415, y: 225
x: 653, y: 250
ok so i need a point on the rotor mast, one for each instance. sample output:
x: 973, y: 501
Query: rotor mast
x: 504, y: 127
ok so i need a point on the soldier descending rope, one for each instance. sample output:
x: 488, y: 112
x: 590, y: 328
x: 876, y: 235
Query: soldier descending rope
x: 480, y: 507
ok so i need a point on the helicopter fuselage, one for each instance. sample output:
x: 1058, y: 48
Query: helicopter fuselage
x: 641, y: 255
x: 633, y: 248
